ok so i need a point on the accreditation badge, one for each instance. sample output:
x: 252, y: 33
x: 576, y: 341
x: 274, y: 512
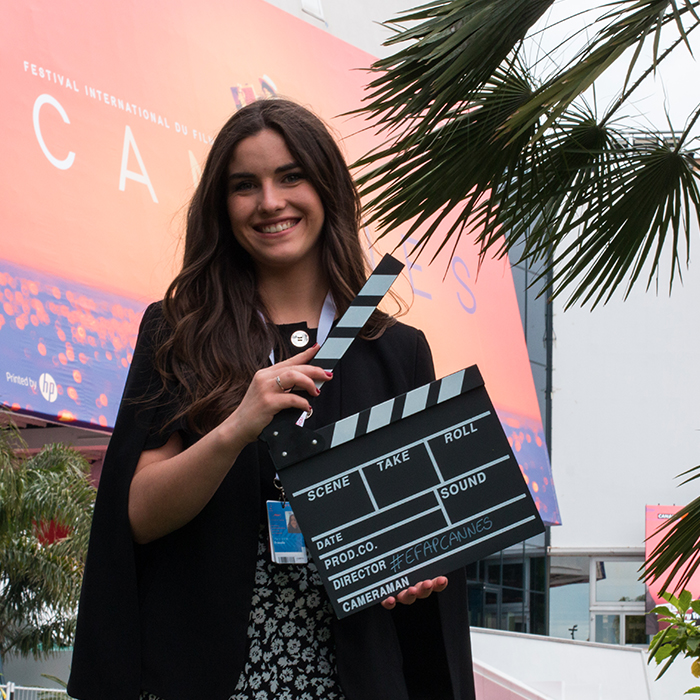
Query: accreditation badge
x: 286, y: 540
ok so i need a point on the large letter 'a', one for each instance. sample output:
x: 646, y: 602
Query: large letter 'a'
x: 125, y: 173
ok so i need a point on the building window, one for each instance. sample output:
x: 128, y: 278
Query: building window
x: 507, y: 590
x: 622, y: 628
x: 597, y: 600
x: 569, y: 598
x: 617, y: 601
x: 616, y: 581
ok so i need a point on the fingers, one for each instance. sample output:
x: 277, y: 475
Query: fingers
x: 413, y: 593
x: 440, y: 584
x: 270, y: 392
x: 296, y: 373
x: 421, y: 590
x: 300, y: 358
x: 299, y: 380
x: 278, y: 401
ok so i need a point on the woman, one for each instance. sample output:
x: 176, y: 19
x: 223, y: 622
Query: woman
x: 180, y: 598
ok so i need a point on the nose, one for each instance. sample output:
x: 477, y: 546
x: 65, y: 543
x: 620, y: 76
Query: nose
x: 271, y: 198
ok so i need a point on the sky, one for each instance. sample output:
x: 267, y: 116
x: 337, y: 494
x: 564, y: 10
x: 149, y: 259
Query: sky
x: 672, y: 92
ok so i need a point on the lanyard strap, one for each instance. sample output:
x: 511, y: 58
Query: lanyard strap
x: 325, y: 323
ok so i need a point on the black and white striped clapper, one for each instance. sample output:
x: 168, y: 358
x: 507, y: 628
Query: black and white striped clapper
x: 358, y: 313
x: 409, y: 489
x: 341, y: 336
x: 383, y: 414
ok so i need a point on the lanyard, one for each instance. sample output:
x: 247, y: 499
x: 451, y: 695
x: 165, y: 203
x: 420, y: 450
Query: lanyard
x: 325, y: 323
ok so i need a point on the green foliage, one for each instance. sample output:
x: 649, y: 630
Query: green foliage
x: 680, y: 637
x: 40, y: 580
x: 53, y: 694
x: 479, y: 135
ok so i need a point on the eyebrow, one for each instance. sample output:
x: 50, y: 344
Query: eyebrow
x: 281, y: 169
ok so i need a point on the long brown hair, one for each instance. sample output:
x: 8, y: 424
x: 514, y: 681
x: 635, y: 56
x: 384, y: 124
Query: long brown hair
x: 216, y: 335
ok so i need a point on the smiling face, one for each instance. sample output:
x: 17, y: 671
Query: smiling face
x: 275, y: 212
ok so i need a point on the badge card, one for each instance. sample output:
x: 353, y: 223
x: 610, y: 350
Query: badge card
x: 286, y: 540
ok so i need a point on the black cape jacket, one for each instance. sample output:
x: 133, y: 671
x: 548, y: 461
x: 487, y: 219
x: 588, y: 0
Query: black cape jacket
x: 171, y: 616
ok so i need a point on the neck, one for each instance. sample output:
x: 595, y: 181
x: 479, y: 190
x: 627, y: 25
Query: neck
x: 293, y: 296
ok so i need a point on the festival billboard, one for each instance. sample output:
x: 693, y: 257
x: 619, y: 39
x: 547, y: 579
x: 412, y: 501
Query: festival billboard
x: 656, y: 516
x: 110, y: 113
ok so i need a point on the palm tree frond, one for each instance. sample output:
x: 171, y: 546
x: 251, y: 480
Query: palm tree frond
x: 46, y: 504
x: 433, y: 176
x: 457, y: 47
x: 473, y: 138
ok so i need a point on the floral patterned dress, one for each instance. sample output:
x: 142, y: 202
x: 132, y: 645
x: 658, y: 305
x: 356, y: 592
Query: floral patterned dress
x: 291, y: 654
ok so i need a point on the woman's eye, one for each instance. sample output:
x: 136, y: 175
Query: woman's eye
x: 241, y: 186
x: 293, y: 177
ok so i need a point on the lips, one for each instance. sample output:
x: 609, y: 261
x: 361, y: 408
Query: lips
x: 277, y: 227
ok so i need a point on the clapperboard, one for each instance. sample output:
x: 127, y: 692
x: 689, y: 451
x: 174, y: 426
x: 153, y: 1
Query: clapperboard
x: 409, y: 489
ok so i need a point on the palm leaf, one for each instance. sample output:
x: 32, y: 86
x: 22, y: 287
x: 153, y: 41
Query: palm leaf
x: 40, y: 580
x: 473, y: 137
x: 432, y: 171
x: 456, y: 48
x: 652, y: 193
x: 626, y: 26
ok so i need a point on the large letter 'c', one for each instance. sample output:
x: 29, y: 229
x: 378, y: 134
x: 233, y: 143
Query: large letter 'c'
x: 40, y: 101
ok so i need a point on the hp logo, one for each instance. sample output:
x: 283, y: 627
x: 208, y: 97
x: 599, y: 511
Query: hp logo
x: 47, y: 386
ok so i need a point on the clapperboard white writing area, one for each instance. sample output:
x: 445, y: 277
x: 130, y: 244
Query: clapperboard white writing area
x: 409, y: 489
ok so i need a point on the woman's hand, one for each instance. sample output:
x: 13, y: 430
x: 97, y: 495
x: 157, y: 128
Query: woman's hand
x: 267, y: 395
x: 410, y: 595
x: 171, y: 484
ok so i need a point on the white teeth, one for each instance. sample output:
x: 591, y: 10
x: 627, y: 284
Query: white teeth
x: 277, y: 228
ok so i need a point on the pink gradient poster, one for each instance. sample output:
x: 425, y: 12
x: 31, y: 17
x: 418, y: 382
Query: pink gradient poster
x: 656, y: 516
x: 111, y: 112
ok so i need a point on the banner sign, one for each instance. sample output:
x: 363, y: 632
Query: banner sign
x: 656, y: 516
x: 409, y: 489
x: 113, y: 109
x: 65, y: 348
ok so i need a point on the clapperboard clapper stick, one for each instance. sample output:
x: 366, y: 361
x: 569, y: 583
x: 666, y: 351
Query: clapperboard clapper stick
x: 281, y: 430
x: 412, y: 488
